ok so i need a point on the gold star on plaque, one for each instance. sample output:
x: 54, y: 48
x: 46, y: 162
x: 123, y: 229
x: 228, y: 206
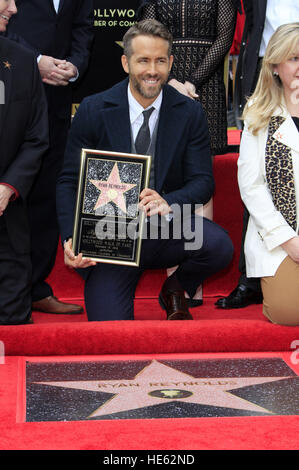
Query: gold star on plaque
x: 112, y: 190
x: 7, y: 65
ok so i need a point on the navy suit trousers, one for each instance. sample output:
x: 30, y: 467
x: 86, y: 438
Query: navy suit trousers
x: 110, y: 289
x: 15, y: 282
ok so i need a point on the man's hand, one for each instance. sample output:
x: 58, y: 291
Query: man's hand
x: 292, y: 248
x: 5, y: 194
x: 152, y: 203
x: 73, y: 261
x: 68, y: 70
x: 56, y: 72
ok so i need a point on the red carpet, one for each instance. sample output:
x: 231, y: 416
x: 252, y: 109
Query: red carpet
x: 266, y: 432
x: 212, y: 331
x: 232, y: 333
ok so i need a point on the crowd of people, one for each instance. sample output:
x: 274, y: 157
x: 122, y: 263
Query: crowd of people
x: 173, y: 104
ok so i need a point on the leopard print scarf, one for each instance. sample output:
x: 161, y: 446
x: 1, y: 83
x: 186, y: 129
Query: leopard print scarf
x: 280, y: 174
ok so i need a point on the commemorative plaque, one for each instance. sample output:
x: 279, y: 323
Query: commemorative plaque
x: 108, y: 225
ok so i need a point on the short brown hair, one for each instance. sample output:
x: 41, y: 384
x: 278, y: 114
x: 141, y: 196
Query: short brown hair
x: 148, y: 27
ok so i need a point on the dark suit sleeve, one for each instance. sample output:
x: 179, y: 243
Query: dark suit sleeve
x: 21, y: 172
x: 20, y: 40
x: 82, y: 35
x: 197, y: 182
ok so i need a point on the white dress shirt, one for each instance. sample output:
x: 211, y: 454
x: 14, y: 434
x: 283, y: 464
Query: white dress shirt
x: 136, y: 110
x: 56, y: 5
x: 278, y: 12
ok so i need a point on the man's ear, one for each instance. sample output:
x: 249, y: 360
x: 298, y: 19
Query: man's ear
x: 125, y: 64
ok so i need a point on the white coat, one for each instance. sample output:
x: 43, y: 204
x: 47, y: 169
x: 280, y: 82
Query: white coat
x: 267, y: 228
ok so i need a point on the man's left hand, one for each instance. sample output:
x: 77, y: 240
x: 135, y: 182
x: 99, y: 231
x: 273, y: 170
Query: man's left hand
x: 61, y: 74
x: 5, y: 194
x: 152, y: 203
x: 68, y: 70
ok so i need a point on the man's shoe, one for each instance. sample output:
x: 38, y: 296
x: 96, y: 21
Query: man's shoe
x: 240, y: 297
x: 174, y: 302
x: 52, y: 305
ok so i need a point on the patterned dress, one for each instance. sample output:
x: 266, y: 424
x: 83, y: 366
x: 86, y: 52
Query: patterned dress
x: 203, y: 32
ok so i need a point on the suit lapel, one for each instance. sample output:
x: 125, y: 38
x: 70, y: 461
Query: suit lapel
x: 117, y: 118
x: 261, y: 8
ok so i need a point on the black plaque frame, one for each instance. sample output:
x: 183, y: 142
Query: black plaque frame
x: 108, y: 225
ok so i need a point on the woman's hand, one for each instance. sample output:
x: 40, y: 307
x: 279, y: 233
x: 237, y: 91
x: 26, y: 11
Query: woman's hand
x: 292, y: 248
x: 191, y: 90
x: 179, y: 86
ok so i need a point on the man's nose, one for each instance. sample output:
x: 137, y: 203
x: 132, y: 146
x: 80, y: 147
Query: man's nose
x: 152, y: 68
x: 12, y: 7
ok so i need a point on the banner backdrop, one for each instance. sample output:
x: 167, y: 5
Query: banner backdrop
x: 112, y: 18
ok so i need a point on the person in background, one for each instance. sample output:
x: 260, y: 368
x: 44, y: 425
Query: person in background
x: 23, y: 142
x: 268, y: 175
x: 203, y: 32
x: 60, y: 32
x: 263, y: 17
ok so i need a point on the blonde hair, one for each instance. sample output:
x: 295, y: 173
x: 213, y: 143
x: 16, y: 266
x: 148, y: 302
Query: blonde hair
x: 268, y: 94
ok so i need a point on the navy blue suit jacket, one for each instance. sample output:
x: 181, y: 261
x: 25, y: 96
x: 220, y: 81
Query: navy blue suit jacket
x: 183, y: 165
x: 23, y: 134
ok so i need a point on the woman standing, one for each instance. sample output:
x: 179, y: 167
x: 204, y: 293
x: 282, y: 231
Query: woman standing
x: 203, y: 31
x: 269, y: 177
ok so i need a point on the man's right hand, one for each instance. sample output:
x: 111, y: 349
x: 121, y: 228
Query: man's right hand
x: 50, y: 72
x: 73, y: 261
x: 5, y: 194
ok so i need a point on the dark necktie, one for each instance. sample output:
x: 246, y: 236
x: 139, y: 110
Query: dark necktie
x: 143, y: 138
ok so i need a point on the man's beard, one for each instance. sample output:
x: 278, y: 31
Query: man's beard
x: 150, y: 93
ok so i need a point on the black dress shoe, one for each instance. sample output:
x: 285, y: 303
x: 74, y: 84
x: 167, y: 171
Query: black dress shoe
x: 240, y: 297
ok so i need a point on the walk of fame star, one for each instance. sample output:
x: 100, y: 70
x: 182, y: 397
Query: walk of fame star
x: 158, y: 383
x: 112, y: 190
